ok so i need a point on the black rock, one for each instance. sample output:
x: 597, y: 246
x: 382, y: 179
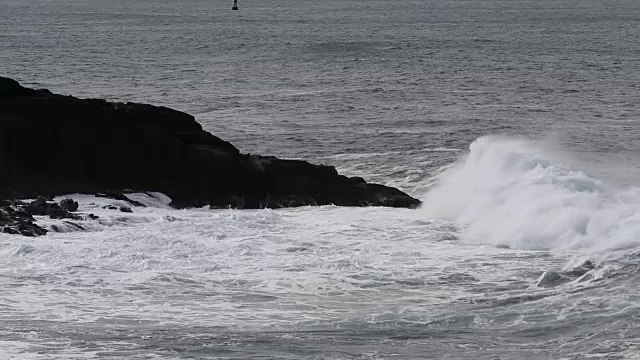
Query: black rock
x: 41, y: 207
x: 74, y: 226
x: 37, y: 207
x: 69, y: 205
x: 119, y: 196
x: 138, y: 147
x: 121, y: 208
x: 11, y: 230
x: 14, y: 220
x: 55, y: 211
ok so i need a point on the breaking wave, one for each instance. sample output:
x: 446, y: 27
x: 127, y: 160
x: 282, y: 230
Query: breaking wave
x: 508, y: 192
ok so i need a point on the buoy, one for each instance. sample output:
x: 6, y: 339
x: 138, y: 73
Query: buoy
x: 235, y: 5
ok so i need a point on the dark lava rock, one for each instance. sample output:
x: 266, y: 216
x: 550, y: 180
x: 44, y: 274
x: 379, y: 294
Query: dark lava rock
x: 69, y: 205
x: 70, y: 225
x: 57, y: 212
x: 16, y: 217
x: 37, y: 207
x: 14, y: 220
x: 40, y: 206
x: 138, y: 147
x: 119, y: 196
x: 125, y: 209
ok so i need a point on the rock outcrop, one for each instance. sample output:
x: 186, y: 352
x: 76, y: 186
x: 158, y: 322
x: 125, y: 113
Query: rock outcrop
x: 17, y: 217
x: 52, y: 144
x: 14, y: 220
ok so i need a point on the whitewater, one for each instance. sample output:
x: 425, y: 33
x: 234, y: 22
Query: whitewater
x: 514, y: 122
x: 492, y: 269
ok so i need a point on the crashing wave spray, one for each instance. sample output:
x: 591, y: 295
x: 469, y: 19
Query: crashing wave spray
x: 507, y: 193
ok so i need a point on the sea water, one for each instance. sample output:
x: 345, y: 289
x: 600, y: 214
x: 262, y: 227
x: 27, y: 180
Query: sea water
x: 514, y: 121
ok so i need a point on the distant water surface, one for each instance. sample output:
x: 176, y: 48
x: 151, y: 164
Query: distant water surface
x: 515, y: 121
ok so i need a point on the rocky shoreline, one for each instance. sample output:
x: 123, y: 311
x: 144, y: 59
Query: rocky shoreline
x: 17, y: 217
x: 54, y: 145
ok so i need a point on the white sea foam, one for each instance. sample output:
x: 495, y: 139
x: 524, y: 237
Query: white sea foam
x: 308, y: 268
x: 509, y: 192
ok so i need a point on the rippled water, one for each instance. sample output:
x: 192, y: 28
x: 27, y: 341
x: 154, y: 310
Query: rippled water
x: 515, y: 122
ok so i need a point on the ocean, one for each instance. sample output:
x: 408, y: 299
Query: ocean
x: 514, y: 121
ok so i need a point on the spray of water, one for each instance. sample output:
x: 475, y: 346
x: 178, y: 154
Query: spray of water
x: 506, y: 192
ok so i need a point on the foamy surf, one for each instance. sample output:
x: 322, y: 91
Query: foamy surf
x: 170, y: 280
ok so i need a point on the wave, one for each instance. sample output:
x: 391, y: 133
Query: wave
x: 508, y: 192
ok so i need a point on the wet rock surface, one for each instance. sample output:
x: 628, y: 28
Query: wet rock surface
x: 14, y: 220
x: 53, y: 145
x: 17, y: 217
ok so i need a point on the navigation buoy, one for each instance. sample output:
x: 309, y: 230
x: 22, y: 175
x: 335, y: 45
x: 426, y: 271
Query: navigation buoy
x: 235, y: 5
